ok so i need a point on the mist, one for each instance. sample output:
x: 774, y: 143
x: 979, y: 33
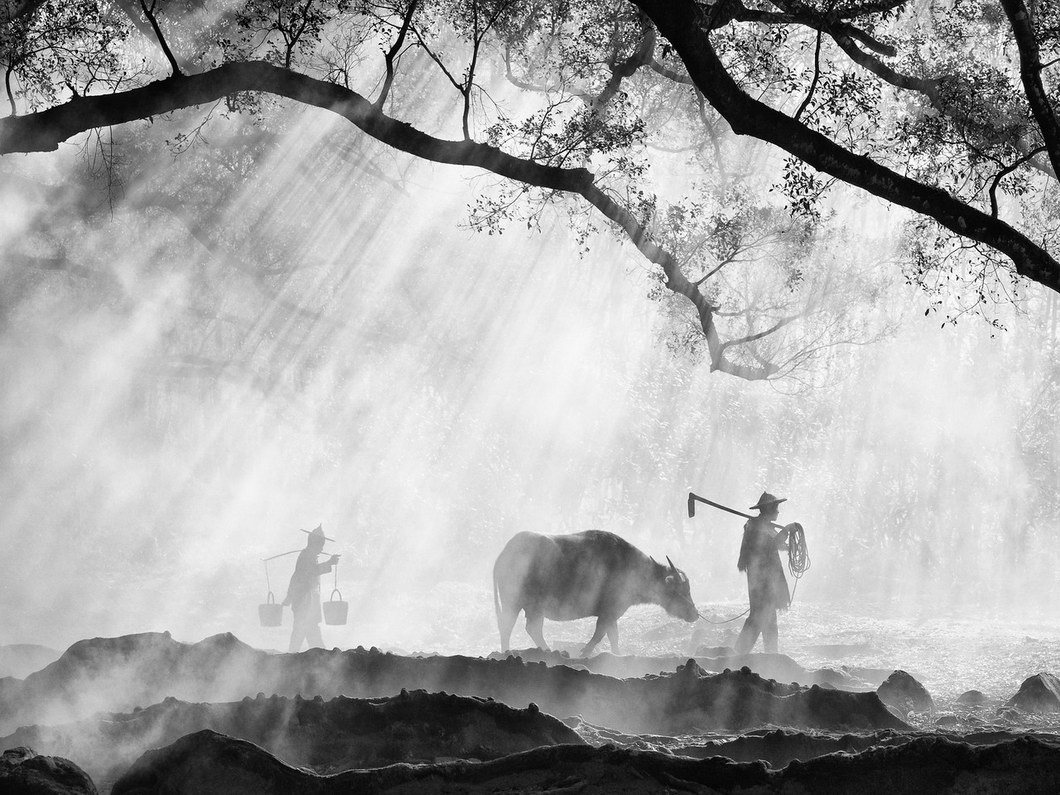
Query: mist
x: 171, y: 417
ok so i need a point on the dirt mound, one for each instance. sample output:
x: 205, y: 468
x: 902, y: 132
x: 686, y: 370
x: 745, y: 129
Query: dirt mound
x: 903, y: 691
x: 971, y: 698
x: 770, y: 666
x: 934, y: 764
x: 779, y: 747
x: 21, y: 659
x: 121, y: 673
x: 1038, y: 693
x: 327, y: 736
x: 9, y: 689
x: 783, y: 669
x: 26, y: 772
x: 117, y: 674
x: 207, y: 762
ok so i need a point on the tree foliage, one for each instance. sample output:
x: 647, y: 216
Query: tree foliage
x: 651, y: 118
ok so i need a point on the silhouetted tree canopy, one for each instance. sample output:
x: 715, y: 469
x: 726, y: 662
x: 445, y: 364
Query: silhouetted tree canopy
x: 646, y: 116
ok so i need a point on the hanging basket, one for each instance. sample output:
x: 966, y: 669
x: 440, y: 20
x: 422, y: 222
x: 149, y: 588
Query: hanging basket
x: 335, y: 610
x: 270, y: 614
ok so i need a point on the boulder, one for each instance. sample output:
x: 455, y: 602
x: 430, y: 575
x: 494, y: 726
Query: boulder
x: 902, y: 691
x: 1039, y: 693
x: 971, y: 698
x: 26, y: 772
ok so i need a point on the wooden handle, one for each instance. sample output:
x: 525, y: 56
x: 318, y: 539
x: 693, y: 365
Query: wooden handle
x: 694, y: 498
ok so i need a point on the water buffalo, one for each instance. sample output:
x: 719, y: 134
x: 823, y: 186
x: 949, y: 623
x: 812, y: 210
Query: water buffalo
x: 594, y: 573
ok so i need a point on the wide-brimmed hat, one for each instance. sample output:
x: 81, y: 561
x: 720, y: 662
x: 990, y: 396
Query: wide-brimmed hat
x: 766, y: 500
x: 318, y: 532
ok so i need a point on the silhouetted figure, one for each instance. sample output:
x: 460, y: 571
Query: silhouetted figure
x: 767, y: 587
x: 303, y: 593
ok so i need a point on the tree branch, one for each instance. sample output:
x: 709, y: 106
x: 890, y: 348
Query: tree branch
x: 641, y: 56
x: 1004, y: 172
x: 670, y: 74
x: 760, y: 334
x: 149, y: 12
x: 1031, y: 75
x: 44, y: 130
x: 816, y: 78
x: 390, y: 54
x: 683, y: 23
x: 928, y: 87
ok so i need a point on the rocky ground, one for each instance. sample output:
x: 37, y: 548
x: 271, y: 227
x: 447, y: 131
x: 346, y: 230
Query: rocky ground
x: 325, y: 736
x: 147, y: 713
x: 207, y: 762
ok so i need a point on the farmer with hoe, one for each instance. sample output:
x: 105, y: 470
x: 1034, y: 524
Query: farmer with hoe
x: 766, y: 584
x: 303, y: 593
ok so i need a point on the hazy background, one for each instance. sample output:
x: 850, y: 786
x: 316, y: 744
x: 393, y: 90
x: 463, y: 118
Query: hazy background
x: 348, y: 353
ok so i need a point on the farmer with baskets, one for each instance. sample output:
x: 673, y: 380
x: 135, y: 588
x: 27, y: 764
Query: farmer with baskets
x: 303, y: 593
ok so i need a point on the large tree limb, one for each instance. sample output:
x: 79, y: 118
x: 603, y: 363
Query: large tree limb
x: 684, y: 24
x: 1031, y: 75
x: 929, y: 87
x: 844, y: 36
x: 45, y: 130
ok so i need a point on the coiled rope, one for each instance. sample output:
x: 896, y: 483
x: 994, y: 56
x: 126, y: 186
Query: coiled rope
x: 798, y: 555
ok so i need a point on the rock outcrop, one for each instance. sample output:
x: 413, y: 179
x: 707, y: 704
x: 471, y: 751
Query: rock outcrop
x: 1038, y: 693
x: 769, y: 666
x: 117, y: 674
x: 971, y: 698
x: 26, y: 772
x: 207, y: 762
x: 902, y: 691
x: 21, y: 659
x: 326, y: 736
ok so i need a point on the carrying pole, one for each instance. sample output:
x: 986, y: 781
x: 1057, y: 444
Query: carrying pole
x: 694, y: 498
x: 282, y: 555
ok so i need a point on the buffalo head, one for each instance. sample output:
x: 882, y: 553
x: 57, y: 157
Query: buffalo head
x: 676, y: 598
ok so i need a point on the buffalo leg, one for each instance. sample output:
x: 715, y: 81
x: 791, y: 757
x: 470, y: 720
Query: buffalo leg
x: 505, y: 623
x: 601, y: 628
x: 535, y: 625
x: 612, y: 635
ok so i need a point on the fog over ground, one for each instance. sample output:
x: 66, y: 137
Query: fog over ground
x: 165, y: 423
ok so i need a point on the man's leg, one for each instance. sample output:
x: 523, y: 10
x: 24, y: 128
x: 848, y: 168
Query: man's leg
x: 749, y: 633
x: 770, y: 632
x: 297, y: 634
x: 316, y: 640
